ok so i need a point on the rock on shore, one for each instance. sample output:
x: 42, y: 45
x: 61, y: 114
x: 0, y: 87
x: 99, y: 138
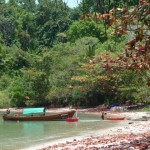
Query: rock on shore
x: 119, y: 142
x: 135, y: 136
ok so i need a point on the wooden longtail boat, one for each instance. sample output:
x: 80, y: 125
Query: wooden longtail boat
x: 120, y: 118
x: 39, y: 117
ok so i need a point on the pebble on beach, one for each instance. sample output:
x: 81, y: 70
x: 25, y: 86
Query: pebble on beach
x: 121, y: 141
x: 134, y: 136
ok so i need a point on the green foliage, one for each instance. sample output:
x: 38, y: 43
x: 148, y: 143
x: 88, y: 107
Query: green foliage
x: 142, y: 95
x: 88, y: 44
x: 17, y: 92
x: 12, y: 59
x: 83, y: 28
x: 17, y: 97
x: 64, y: 62
x: 146, y: 109
x: 24, y: 40
x: 47, y: 57
x: 130, y: 85
x: 112, y: 46
x: 39, y: 86
x: 36, y: 86
x: 4, y: 82
x: 114, y: 43
x: 7, y: 24
x: 59, y: 96
x: 62, y: 37
x: 28, y: 24
x: 32, y: 84
x: 4, y: 100
x: 52, y: 19
x: 87, y: 41
x: 77, y: 95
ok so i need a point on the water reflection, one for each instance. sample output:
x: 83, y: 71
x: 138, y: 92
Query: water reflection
x: 89, y: 120
x: 32, y: 127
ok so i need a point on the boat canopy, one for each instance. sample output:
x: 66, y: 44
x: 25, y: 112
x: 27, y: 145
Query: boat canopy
x: 28, y: 111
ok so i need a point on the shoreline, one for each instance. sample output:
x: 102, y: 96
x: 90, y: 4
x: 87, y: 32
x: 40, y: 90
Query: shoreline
x: 133, y: 132
x: 133, y: 129
x: 95, y: 140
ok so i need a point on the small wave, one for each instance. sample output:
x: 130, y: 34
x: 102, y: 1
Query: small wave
x: 89, y: 120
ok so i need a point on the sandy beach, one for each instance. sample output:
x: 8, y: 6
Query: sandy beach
x: 133, y: 133
x: 127, y: 135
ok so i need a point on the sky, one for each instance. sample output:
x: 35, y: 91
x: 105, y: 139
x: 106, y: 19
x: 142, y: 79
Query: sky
x: 72, y: 3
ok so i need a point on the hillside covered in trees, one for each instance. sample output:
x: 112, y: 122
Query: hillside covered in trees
x: 53, y: 55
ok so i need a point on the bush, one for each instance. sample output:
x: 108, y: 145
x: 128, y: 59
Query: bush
x: 142, y: 95
x: 4, y: 100
x: 17, y: 97
x: 86, y: 27
x: 4, y: 82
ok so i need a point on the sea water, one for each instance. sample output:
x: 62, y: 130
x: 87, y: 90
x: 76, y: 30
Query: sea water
x: 16, y: 135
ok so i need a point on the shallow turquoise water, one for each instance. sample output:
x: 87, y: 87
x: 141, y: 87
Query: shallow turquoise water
x: 19, y: 135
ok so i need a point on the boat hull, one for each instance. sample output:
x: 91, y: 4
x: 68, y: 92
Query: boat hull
x: 116, y: 118
x: 72, y: 119
x: 48, y: 117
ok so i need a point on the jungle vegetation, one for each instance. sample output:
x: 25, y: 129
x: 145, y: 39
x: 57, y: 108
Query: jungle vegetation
x: 53, y: 55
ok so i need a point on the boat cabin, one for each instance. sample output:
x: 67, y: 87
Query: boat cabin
x: 34, y: 111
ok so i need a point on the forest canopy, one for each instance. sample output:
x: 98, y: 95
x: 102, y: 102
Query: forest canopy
x: 53, y: 55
